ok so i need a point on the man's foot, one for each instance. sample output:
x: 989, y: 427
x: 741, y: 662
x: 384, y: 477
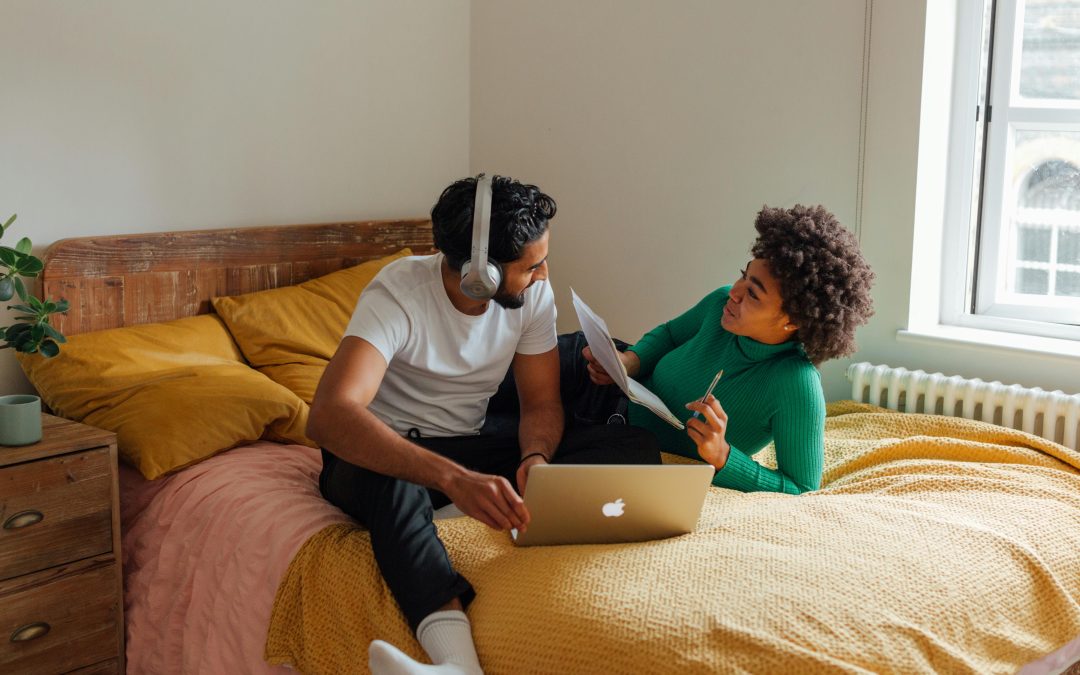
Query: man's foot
x: 447, y: 638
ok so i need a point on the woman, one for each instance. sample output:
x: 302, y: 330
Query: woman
x: 795, y: 305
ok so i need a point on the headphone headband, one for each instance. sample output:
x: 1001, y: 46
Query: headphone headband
x: 481, y: 222
x: 480, y: 278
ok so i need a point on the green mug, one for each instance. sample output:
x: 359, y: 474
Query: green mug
x: 20, y: 419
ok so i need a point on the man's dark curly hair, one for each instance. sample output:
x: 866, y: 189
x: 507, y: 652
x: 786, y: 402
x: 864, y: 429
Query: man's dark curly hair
x: 519, y: 216
x: 824, y: 279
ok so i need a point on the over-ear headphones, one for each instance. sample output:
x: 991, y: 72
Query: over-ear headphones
x: 479, y: 278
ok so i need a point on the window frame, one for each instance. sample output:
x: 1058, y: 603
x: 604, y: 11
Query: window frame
x: 972, y: 273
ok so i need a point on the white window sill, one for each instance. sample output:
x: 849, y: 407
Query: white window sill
x: 991, y: 340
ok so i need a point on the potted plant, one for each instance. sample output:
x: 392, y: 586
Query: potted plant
x: 20, y: 415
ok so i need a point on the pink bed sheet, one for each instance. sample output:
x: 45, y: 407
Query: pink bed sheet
x: 204, y: 550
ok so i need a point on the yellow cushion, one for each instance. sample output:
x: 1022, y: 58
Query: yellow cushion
x: 290, y: 333
x: 174, y: 393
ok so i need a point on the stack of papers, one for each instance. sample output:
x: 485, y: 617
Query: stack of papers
x: 603, y: 348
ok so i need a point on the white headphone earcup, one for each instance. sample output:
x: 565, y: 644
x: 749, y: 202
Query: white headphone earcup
x: 496, y: 276
x: 477, y: 285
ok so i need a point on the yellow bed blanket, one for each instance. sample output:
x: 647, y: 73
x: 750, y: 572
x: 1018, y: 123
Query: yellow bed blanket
x: 936, y: 544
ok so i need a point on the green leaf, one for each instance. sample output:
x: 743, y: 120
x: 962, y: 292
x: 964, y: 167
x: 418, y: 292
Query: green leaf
x: 61, y: 306
x: 30, y: 266
x: 49, y: 349
x: 53, y: 333
x: 20, y: 288
x: 22, y: 340
x: 36, y: 304
x: 7, y: 288
x: 24, y: 246
x: 50, y: 306
x: 17, y: 330
x: 37, y: 332
x: 7, y: 224
x: 8, y: 256
x: 24, y: 308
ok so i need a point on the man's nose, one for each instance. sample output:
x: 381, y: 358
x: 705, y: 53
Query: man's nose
x: 541, y: 272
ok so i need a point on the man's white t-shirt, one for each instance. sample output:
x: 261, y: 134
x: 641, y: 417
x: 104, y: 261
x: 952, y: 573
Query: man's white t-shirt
x: 443, y: 365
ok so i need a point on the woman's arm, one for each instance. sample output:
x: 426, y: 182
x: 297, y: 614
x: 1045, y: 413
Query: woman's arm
x: 667, y: 336
x: 798, y: 433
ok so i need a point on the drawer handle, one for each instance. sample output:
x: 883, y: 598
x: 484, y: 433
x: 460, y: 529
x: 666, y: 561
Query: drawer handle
x: 23, y: 519
x: 30, y: 631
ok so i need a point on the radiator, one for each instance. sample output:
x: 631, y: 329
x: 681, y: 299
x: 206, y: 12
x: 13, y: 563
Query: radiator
x: 1053, y: 415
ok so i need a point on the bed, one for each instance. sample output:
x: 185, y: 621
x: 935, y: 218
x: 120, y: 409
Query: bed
x: 935, y: 545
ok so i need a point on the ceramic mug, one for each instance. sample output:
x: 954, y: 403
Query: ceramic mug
x: 20, y: 419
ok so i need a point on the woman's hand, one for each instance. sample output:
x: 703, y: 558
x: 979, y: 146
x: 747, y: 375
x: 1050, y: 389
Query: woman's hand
x: 707, y: 431
x: 599, y: 376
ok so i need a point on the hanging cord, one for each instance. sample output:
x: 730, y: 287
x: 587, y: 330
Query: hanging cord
x: 864, y: 114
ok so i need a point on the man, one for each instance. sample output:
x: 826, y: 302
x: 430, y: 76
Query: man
x: 399, y: 410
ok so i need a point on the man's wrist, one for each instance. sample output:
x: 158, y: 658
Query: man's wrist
x: 447, y: 477
x: 546, y: 459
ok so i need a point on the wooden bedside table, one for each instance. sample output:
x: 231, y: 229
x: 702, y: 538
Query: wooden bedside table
x: 61, y: 586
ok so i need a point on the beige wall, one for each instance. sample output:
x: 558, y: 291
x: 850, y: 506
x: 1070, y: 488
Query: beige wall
x: 122, y: 116
x: 661, y: 129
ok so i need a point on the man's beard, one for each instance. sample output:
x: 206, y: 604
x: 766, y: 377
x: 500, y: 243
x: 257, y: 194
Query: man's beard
x: 507, y: 301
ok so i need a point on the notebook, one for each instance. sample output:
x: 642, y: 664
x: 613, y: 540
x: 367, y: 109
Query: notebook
x: 608, y: 503
x: 599, y: 339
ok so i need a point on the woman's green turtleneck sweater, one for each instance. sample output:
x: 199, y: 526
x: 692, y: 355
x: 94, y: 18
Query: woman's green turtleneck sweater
x: 769, y: 392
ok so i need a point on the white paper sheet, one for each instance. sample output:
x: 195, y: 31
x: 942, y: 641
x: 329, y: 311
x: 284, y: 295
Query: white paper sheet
x: 603, y: 348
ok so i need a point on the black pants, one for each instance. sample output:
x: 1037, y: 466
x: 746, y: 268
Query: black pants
x: 584, y: 403
x: 398, y: 513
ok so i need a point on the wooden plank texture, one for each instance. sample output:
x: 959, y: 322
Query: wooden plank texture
x: 59, y: 436
x: 71, y: 498
x: 82, y: 612
x: 126, y: 280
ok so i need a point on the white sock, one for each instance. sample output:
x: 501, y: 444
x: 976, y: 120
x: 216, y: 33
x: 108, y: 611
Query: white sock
x: 447, y: 638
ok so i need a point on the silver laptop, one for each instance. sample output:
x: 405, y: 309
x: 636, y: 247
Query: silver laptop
x: 605, y: 503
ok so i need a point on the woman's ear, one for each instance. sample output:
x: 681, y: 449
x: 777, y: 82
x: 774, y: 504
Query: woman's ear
x: 790, y: 327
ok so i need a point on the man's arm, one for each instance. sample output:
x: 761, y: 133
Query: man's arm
x: 541, y: 427
x: 341, y: 422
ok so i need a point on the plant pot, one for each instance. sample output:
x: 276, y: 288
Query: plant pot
x: 20, y: 419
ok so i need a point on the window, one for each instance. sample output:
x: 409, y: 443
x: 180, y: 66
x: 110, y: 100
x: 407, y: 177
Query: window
x: 1019, y: 152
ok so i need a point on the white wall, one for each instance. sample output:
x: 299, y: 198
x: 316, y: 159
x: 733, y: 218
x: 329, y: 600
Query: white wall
x: 661, y: 129
x: 123, y: 116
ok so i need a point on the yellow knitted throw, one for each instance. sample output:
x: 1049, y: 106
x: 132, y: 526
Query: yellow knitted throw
x: 937, y: 544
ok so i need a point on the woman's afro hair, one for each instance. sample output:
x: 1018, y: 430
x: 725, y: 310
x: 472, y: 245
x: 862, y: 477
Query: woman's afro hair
x: 824, y: 279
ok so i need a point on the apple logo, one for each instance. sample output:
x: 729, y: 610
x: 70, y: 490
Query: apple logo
x: 613, y: 509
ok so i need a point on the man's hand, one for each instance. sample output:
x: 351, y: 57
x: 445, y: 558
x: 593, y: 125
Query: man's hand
x: 708, y: 432
x: 489, y: 499
x: 523, y: 470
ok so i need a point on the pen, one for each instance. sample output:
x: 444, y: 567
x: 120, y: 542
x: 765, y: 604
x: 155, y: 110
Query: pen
x: 708, y: 392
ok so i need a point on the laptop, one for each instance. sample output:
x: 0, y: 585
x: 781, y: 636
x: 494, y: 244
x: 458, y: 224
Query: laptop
x: 606, y: 503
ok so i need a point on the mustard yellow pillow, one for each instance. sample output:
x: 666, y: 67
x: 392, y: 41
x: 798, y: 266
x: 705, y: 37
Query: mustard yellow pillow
x: 290, y: 333
x: 175, y: 393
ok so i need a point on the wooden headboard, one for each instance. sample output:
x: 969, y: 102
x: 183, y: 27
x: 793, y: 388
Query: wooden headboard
x: 125, y: 280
